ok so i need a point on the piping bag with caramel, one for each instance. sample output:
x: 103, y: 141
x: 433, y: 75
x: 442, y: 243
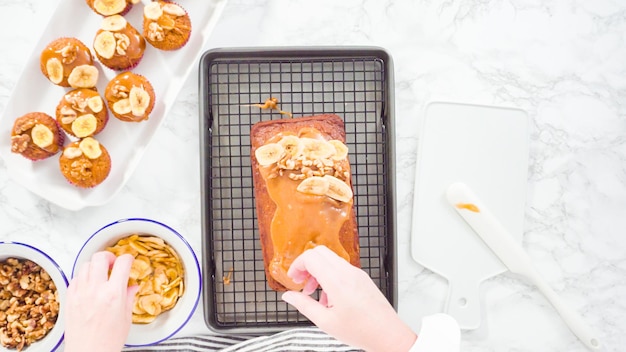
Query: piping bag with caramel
x: 303, y: 192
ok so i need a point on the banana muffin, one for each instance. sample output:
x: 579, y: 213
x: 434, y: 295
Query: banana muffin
x: 117, y: 44
x: 130, y: 97
x: 82, y: 113
x: 68, y: 62
x: 85, y: 163
x: 166, y: 25
x: 36, y: 136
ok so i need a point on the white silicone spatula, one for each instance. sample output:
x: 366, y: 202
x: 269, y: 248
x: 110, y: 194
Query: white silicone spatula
x: 493, y: 233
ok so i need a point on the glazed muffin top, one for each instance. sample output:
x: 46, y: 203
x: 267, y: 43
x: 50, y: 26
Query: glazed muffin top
x: 130, y: 97
x: 117, y: 44
x: 82, y: 113
x: 68, y: 62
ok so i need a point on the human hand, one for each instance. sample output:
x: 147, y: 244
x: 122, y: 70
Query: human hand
x: 351, y: 308
x: 99, y: 306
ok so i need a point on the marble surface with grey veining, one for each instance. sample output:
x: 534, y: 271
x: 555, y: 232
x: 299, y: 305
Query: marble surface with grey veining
x: 562, y: 61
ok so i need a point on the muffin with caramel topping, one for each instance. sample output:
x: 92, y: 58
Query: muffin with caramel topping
x: 85, y: 163
x: 36, y: 136
x: 117, y: 44
x: 111, y: 7
x: 166, y: 25
x: 67, y: 62
x: 82, y: 113
x: 130, y: 97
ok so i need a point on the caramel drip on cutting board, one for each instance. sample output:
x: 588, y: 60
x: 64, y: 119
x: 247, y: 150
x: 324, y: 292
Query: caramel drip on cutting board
x: 301, y: 221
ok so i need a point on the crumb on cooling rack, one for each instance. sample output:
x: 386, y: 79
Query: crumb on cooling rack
x: 226, y: 279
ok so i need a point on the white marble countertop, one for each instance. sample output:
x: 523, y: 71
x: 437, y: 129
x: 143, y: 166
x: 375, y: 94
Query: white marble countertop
x: 564, y: 62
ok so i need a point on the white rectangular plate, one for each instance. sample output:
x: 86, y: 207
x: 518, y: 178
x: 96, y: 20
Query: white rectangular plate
x: 167, y: 71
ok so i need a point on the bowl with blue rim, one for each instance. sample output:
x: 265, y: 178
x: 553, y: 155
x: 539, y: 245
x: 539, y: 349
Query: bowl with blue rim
x: 144, y: 238
x: 33, y: 288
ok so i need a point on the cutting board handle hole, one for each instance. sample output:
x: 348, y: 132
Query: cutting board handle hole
x: 462, y: 302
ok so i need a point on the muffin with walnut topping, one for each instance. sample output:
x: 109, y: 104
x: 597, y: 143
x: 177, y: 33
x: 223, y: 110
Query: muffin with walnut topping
x: 117, y: 44
x: 85, y: 163
x: 82, y: 113
x: 67, y: 62
x: 36, y: 136
x: 166, y: 25
x: 130, y: 97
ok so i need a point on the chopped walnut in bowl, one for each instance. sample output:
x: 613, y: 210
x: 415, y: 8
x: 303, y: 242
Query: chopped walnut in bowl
x: 32, y: 289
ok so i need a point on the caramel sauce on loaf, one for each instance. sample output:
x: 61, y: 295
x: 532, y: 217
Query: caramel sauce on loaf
x: 303, y: 198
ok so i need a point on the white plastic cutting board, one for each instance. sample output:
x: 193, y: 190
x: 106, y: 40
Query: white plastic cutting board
x: 487, y: 149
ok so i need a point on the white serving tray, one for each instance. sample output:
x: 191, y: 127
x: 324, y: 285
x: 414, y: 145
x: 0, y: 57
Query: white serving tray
x: 126, y: 142
x: 486, y: 148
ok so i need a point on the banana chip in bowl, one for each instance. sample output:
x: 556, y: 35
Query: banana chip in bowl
x: 165, y: 268
x: 157, y: 270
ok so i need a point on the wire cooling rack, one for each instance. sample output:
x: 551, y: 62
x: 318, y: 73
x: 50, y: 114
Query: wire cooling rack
x: 354, y: 83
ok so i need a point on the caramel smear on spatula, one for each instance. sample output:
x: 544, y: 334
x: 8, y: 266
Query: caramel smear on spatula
x: 272, y: 104
x: 468, y: 206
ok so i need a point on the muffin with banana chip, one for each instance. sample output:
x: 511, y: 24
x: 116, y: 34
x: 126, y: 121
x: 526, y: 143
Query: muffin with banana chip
x: 117, y: 44
x: 166, y: 25
x: 82, y: 113
x: 85, y: 163
x: 130, y: 97
x: 68, y: 62
x: 111, y: 7
x: 36, y: 136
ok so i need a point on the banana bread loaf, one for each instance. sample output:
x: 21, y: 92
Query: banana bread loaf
x: 303, y: 192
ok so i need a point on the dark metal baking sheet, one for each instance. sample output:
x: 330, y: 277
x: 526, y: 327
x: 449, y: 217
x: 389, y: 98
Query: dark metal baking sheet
x: 355, y: 83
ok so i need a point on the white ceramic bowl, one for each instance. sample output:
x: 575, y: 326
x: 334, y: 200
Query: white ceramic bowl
x: 171, y: 321
x: 23, y: 251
